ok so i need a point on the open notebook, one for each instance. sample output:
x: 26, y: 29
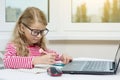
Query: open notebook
x: 37, y: 69
x: 40, y: 68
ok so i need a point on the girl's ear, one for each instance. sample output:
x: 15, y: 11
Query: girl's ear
x: 22, y: 27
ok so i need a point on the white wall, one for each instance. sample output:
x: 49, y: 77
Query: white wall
x: 86, y: 48
x: 105, y: 49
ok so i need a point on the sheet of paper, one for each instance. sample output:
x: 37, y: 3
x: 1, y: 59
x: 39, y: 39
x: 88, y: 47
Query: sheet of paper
x: 40, y: 68
x: 13, y: 74
x: 34, y: 70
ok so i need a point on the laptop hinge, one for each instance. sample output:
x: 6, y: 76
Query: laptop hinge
x: 113, y: 66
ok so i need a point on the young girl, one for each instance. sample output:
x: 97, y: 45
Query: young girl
x: 28, y: 48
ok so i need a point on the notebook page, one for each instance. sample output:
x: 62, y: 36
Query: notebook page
x: 40, y: 68
x: 34, y: 70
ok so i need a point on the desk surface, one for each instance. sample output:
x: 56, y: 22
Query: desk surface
x: 13, y: 74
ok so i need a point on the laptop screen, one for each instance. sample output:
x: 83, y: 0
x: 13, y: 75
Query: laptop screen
x: 117, y: 57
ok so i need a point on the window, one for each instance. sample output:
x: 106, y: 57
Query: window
x: 62, y: 24
x: 99, y: 11
x: 11, y: 10
x: 15, y: 8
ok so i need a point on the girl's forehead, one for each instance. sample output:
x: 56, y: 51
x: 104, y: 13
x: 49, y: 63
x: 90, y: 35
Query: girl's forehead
x: 38, y: 26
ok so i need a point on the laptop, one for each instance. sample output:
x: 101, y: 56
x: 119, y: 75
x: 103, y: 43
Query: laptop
x: 94, y: 66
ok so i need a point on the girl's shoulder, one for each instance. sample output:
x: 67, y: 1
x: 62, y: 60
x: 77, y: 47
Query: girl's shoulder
x: 10, y: 44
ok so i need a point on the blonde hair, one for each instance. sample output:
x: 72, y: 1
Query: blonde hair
x: 29, y: 16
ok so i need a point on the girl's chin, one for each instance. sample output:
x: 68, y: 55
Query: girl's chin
x: 34, y: 42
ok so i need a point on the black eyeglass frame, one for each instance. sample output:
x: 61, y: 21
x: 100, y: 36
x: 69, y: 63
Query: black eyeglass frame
x: 35, y: 32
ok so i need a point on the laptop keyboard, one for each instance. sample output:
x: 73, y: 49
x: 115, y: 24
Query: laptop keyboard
x: 89, y: 66
x: 95, y: 66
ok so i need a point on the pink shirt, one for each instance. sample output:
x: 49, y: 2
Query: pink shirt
x: 11, y: 60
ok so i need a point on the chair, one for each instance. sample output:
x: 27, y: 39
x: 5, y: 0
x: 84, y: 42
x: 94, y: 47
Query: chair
x: 1, y: 61
x: 1, y: 55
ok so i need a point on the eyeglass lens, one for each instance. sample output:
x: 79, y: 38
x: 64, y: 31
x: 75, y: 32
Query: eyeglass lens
x: 37, y: 32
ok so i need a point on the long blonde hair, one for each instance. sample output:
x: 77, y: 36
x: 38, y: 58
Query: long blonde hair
x: 28, y: 17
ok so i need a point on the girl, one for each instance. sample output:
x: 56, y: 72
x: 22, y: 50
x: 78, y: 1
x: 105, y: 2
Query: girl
x: 28, y: 47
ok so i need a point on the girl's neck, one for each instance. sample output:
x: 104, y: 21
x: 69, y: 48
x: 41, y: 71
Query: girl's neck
x: 32, y: 45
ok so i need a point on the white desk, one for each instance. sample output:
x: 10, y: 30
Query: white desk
x: 12, y: 74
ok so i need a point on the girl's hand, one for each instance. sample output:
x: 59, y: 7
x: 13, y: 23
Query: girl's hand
x: 45, y: 59
x: 66, y: 59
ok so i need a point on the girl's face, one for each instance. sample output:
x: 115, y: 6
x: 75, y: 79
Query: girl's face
x: 34, y: 32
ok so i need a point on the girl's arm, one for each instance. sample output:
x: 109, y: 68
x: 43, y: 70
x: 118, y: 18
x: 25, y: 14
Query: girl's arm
x: 11, y: 60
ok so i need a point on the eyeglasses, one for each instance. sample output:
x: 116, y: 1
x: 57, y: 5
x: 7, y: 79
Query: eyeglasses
x: 35, y: 32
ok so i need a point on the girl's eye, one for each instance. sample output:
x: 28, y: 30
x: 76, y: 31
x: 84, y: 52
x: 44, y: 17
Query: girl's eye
x: 35, y: 33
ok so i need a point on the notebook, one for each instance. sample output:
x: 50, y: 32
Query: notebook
x: 94, y: 66
x: 38, y: 69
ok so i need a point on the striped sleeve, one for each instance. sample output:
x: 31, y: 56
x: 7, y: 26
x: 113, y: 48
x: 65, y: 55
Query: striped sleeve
x: 11, y: 60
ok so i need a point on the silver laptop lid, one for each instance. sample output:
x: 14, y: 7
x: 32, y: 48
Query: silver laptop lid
x: 117, y: 58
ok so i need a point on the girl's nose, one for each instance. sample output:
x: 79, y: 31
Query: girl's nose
x: 39, y: 35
